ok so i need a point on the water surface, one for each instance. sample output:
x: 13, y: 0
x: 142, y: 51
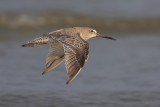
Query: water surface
x: 121, y: 73
x: 100, y: 8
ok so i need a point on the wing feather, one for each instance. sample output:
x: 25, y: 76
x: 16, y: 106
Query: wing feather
x: 75, y: 58
x: 76, y: 53
x: 55, y: 56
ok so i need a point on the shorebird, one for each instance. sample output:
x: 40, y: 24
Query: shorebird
x: 67, y: 44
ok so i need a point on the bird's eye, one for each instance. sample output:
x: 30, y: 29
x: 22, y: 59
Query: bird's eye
x: 92, y: 31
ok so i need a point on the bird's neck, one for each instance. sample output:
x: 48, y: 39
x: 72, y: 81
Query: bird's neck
x: 85, y: 37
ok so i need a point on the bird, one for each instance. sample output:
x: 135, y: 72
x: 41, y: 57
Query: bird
x: 69, y: 45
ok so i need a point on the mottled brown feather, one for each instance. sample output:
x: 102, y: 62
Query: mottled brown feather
x: 75, y: 55
x: 55, y: 56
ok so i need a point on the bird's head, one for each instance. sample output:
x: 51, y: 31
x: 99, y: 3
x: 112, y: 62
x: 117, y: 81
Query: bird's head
x: 90, y: 33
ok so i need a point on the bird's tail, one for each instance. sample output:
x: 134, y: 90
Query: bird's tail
x: 38, y: 41
x: 33, y: 44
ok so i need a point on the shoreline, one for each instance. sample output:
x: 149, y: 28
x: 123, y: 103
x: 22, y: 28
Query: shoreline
x: 45, y: 20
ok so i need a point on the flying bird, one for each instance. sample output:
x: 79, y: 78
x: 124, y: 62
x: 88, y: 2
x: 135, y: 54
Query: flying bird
x: 67, y: 44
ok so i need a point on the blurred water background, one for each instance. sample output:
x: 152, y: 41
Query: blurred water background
x: 121, y: 73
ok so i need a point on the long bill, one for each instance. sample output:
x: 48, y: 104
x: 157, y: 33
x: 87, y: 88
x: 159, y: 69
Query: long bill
x: 99, y: 35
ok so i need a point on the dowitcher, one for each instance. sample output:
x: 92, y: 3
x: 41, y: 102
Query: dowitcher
x: 67, y: 44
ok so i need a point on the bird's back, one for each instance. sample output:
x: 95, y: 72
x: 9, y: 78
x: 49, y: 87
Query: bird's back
x: 67, y: 31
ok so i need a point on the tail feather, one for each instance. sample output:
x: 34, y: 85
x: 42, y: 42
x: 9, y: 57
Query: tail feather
x: 33, y: 44
x: 37, y: 41
x: 43, y: 38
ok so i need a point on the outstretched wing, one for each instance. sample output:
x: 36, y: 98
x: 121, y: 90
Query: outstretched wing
x: 55, y: 56
x: 76, y: 54
x: 75, y: 58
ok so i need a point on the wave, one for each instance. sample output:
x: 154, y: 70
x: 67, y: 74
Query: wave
x: 43, y: 20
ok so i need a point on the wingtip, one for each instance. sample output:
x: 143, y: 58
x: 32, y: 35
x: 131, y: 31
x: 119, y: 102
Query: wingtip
x: 43, y: 73
x: 68, y: 82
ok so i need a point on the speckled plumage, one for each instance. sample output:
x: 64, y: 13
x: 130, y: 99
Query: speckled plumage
x: 67, y: 44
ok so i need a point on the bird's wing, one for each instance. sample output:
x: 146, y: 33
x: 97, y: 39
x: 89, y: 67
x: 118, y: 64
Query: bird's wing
x: 76, y: 54
x: 55, y: 56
